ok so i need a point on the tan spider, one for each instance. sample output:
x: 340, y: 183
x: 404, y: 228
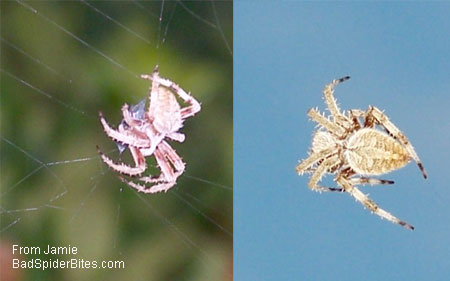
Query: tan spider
x: 351, y: 146
x: 145, y: 132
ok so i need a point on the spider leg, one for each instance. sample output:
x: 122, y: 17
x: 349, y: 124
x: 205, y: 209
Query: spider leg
x: 331, y: 101
x: 179, y: 137
x: 173, y: 157
x: 194, y: 105
x: 305, y: 165
x: 128, y: 118
x: 369, y: 204
x: 355, y: 114
x: 381, y: 119
x: 319, y: 172
x: 168, y: 176
x: 371, y: 181
x: 324, y: 122
x: 138, y: 158
x: 358, y: 113
x: 161, y: 183
x: 120, y: 136
x: 145, y: 189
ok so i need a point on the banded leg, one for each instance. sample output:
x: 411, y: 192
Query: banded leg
x: 315, y: 115
x: 383, y: 120
x: 319, y: 172
x: 161, y: 183
x: 173, y: 157
x: 369, y: 204
x: 161, y: 186
x: 167, y: 178
x: 371, y: 181
x: 331, y: 101
x: 355, y: 115
x: 121, y: 135
x: 122, y: 168
x: 306, y: 164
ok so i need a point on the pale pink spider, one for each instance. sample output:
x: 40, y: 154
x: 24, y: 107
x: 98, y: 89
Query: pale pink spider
x: 145, y: 133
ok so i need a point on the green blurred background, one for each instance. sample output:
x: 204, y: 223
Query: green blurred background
x: 60, y: 66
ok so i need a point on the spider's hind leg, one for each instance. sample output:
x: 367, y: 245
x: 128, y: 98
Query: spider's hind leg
x: 369, y: 204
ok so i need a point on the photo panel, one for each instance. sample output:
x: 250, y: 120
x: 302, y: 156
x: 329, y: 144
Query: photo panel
x: 398, y: 56
x: 107, y: 174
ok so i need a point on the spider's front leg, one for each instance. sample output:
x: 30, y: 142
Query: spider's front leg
x: 124, y: 136
x: 330, y: 101
x: 381, y: 119
x: 369, y: 204
x: 138, y: 158
x: 129, y: 118
x: 333, y: 128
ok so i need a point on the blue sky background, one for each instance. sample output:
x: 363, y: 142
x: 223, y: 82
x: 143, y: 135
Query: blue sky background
x: 398, y: 55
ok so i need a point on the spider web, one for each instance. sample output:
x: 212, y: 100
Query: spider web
x: 61, y: 63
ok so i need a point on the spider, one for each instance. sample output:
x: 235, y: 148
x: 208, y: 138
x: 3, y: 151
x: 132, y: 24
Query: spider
x: 145, y: 133
x: 354, y: 146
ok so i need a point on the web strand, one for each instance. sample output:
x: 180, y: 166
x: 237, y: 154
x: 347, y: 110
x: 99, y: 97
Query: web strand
x: 219, y: 26
x: 195, y: 15
x: 116, y: 22
x: 180, y: 233
x: 202, y: 213
x: 44, y: 93
x: 78, y: 39
x: 35, y: 60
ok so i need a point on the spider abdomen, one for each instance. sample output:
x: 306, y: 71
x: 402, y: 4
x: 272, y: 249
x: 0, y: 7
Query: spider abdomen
x: 371, y: 152
x: 167, y: 116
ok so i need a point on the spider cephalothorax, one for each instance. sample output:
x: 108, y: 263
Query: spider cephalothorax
x: 145, y: 133
x: 354, y: 145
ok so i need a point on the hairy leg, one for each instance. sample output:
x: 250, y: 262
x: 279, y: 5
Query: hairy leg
x: 165, y: 157
x: 332, y: 104
x: 123, y: 136
x: 179, y: 137
x: 319, y: 172
x: 163, y: 182
x: 334, y: 129
x: 369, y: 204
x: 371, y: 181
x: 122, y: 168
x: 306, y: 164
